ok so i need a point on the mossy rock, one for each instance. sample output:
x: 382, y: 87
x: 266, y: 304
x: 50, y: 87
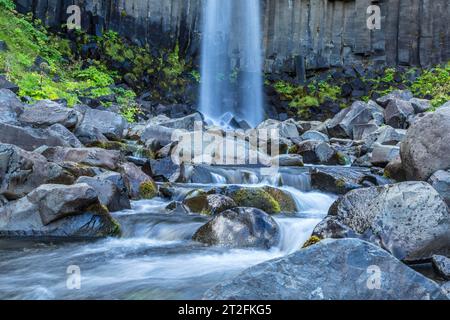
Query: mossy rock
x: 113, y: 229
x: 285, y: 200
x: 256, y: 198
x: 197, y: 201
x: 311, y: 241
x: 148, y: 190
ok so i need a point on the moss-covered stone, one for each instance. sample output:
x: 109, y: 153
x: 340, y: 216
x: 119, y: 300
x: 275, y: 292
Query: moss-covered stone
x: 285, y: 200
x: 112, y: 227
x: 197, y: 201
x: 311, y: 241
x: 148, y: 190
x: 256, y: 198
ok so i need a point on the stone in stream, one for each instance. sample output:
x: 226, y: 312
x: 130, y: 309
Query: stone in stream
x: 442, y: 266
x: 22, y: 171
x: 199, y: 201
x: 288, y: 160
x: 240, y: 228
x: 426, y: 148
x: 410, y: 220
x: 345, y: 269
x: 111, y: 190
x: 45, y: 113
x: 139, y: 184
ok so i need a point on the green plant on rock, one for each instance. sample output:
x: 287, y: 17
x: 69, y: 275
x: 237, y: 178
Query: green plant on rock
x: 311, y: 241
x: 148, y: 190
x: 256, y: 198
x: 434, y: 83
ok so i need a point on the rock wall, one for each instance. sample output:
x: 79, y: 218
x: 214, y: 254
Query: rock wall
x: 327, y: 33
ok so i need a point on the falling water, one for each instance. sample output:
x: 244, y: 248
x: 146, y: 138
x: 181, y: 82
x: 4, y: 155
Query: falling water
x: 231, y: 68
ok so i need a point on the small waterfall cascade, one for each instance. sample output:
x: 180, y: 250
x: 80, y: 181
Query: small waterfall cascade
x: 231, y: 63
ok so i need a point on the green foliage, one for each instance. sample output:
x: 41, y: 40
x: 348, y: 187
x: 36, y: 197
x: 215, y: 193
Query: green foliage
x: 7, y: 4
x: 434, y: 83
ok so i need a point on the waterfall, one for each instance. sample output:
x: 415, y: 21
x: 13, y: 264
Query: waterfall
x: 231, y: 62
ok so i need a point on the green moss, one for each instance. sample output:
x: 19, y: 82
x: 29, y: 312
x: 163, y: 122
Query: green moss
x: 311, y: 241
x: 256, y: 198
x: 340, y: 183
x: 148, y: 190
x: 285, y: 200
x: 102, y: 210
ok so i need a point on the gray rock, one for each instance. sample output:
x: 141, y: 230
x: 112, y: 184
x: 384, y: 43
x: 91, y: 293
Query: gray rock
x: 420, y: 105
x: 398, y: 112
x: 442, y: 266
x: 410, y: 219
x: 10, y: 107
x: 289, y: 160
x: 133, y: 177
x: 382, y: 155
x: 361, y: 131
x: 5, y: 83
x: 111, y: 190
x: 318, y: 152
x: 395, y: 95
x: 95, y: 157
x: 46, y: 113
x: 341, y: 126
x: 394, y: 170
x: 287, y: 129
x: 29, y: 138
x: 89, y: 135
x: 162, y: 135
x: 446, y: 288
x: 66, y: 135
x: 440, y: 180
x: 22, y: 171
x: 57, y: 201
x: 166, y: 170
x: 240, y: 228
x: 315, y: 135
x: 426, y: 148
x: 22, y: 218
x: 343, y: 269
x: 110, y: 124
x: 184, y: 123
x: 198, y: 201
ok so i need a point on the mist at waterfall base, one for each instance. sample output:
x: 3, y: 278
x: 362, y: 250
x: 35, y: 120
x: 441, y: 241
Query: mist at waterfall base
x: 231, y: 63
x: 155, y: 258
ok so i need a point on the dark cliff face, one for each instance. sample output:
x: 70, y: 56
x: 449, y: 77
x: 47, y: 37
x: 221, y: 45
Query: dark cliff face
x: 327, y: 33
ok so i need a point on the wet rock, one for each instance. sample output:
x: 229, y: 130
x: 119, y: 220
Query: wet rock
x: 111, y: 190
x: 330, y: 270
x: 94, y: 157
x: 240, y: 228
x: 165, y: 170
x: 440, y: 180
x: 136, y: 181
x: 177, y: 207
x: 30, y: 139
x: 288, y: 160
x: 442, y: 266
x: 210, y: 204
x: 398, y: 112
x: 22, y: 171
x: 341, y: 126
x: 254, y: 198
x: 110, y: 124
x: 410, y: 219
x: 426, y: 149
x: 46, y: 113
x: 10, y: 107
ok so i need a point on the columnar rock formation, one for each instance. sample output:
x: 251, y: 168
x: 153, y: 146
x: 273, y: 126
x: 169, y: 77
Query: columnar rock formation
x: 327, y: 33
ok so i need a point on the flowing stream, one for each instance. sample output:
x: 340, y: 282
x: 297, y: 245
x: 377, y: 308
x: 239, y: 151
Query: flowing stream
x: 155, y: 258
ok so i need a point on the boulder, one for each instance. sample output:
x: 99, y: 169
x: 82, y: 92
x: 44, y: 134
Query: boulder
x: 184, y: 123
x: 420, y: 105
x: 254, y: 198
x: 240, y: 228
x: 139, y: 184
x: 315, y: 135
x: 66, y: 135
x: 89, y: 135
x: 30, y: 139
x: 361, y: 131
x: 318, y: 152
x: 382, y: 155
x: 441, y: 265
x: 287, y: 129
x: 345, y: 269
x: 110, y: 124
x: 386, y: 135
x: 426, y: 148
x: 57, y: 201
x: 95, y: 157
x: 288, y: 160
x: 395, y: 95
x: 111, y: 190
x: 165, y: 170
x: 440, y: 180
x: 162, y: 135
x: 398, y: 112
x: 46, y: 113
x: 409, y: 219
x: 10, y: 107
x: 22, y: 219
x: 201, y: 202
x: 341, y: 126
x: 22, y: 171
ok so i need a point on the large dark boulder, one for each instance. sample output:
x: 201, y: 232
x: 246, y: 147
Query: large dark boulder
x: 347, y: 269
x: 46, y: 113
x: 22, y: 171
x: 410, y: 220
x: 426, y: 148
x: 240, y: 228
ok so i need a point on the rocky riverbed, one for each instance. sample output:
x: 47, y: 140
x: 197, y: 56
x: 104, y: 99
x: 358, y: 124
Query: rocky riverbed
x: 366, y: 189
